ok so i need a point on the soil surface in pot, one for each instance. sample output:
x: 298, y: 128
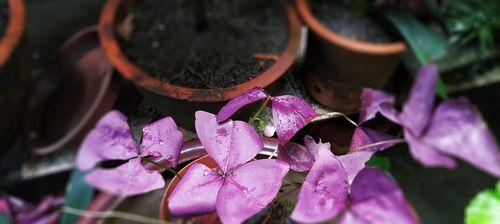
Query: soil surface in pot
x: 4, y: 16
x: 175, y: 43
x: 340, y: 17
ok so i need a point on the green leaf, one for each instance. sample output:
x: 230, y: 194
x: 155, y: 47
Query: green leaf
x: 4, y: 219
x: 78, y: 195
x: 381, y: 162
x: 484, y: 207
x: 424, y: 43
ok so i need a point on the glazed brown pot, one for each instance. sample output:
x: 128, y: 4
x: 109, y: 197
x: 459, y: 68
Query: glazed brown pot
x: 72, y: 93
x: 191, y: 150
x: 338, y: 67
x: 14, y: 74
x: 181, y: 102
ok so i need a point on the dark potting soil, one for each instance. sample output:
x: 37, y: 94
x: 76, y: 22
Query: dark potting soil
x: 338, y: 16
x: 169, y: 43
x: 4, y: 16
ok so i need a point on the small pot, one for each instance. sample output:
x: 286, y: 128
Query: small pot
x: 338, y: 67
x: 181, y: 102
x: 14, y: 73
x: 73, y: 92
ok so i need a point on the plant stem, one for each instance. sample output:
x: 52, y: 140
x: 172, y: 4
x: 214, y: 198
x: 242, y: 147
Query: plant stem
x: 112, y: 214
x: 259, y: 111
x: 331, y: 115
x: 392, y: 141
x: 163, y: 166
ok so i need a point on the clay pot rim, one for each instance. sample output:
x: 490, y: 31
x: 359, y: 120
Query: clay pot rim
x: 350, y: 43
x: 74, y: 130
x: 130, y: 71
x: 14, y: 30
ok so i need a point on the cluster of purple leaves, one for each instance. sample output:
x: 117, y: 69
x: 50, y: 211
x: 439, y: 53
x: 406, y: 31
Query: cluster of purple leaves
x: 454, y: 128
x: 241, y: 186
x: 111, y: 139
x: 18, y: 211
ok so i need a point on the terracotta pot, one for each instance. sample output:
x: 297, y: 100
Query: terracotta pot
x: 270, y: 145
x: 181, y: 102
x: 73, y: 92
x: 14, y: 73
x: 191, y: 150
x: 338, y: 67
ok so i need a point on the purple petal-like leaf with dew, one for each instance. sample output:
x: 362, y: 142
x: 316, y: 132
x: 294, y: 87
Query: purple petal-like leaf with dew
x: 5, y: 208
x: 249, y: 188
x: 290, y: 114
x: 458, y: 129
x: 366, y: 136
x: 354, y: 162
x: 426, y: 154
x: 375, y: 198
x: 298, y: 157
x: 109, y: 140
x: 418, y: 107
x: 250, y: 96
x: 323, y: 194
x: 314, y: 148
x: 162, y: 139
x: 196, y: 193
x: 229, y: 144
x: 127, y: 179
x: 373, y: 102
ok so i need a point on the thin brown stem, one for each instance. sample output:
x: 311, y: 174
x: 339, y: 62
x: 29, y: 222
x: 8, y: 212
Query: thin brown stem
x: 331, y: 115
x: 392, y: 141
x: 112, y: 214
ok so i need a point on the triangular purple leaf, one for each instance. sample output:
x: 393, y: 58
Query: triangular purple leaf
x: 230, y: 143
x: 251, y: 96
x: 426, y: 154
x: 196, y: 193
x: 162, y: 138
x: 373, y: 102
x: 354, y: 162
x: 323, y: 194
x: 298, y: 157
x: 418, y: 108
x: 375, y: 198
x: 458, y: 129
x: 290, y: 114
x: 249, y: 188
x: 365, y: 136
x: 128, y: 179
x: 109, y: 140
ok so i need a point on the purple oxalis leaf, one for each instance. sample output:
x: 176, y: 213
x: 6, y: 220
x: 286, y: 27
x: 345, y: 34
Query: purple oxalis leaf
x: 250, y: 96
x: 373, y: 102
x: 127, y: 179
x: 229, y: 144
x: 426, y: 154
x: 249, y: 189
x: 354, y: 162
x: 196, y: 193
x: 290, y: 114
x: 323, y: 194
x: 109, y: 140
x: 418, y: 107
x: 365, y: 136
x: 162, y: 138
x: 299, y: 158
x: 375, y: 198
x: 458, y: 129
